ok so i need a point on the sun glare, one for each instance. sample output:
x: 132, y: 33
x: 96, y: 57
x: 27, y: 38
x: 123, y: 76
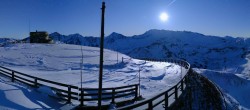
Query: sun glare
x: 163, y: 16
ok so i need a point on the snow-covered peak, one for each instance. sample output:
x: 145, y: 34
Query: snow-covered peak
x: 55, y: 34
x: 75, y: 35
x: 155, y: 31
x: 115, y: 35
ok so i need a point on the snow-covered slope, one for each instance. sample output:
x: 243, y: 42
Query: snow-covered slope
x: 235, y: 89
x: 19, y: 97
x: 201, y: 51
x: 223, y: 54
x: 61, y: 63
x: 4, y: 41
x: 75, y: 39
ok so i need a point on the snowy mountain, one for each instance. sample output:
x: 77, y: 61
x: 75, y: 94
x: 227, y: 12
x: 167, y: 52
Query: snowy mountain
x: 202, y: 51
x: 4, y: 41
x: 224, y: 60
x: 75, y: 39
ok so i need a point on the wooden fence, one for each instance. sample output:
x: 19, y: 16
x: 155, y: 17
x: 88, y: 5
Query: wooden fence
x: 65, y: 91
x: 164, y: 96
x: 69, y: 92
x: 91, y: 94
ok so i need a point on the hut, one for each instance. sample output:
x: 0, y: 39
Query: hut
x: 40, y: 37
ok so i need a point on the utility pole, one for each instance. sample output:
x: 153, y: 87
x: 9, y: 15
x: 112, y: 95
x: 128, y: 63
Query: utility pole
x: 101, y: 59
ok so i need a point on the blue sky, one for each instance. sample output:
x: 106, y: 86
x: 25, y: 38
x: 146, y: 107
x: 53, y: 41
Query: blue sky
x: 128, y: 17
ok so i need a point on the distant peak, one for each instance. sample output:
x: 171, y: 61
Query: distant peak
x: 76, y: 34
x: 152, y: 31
x: 115, y: 35
x: 55, y: 34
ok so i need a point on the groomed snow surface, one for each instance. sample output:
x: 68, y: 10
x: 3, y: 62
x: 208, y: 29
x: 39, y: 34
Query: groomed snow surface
x: 61, y: 63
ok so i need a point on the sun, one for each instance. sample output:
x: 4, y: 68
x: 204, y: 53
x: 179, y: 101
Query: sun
x: 163, y: 16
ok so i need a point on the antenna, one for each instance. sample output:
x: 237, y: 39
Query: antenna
x: 29, y: 25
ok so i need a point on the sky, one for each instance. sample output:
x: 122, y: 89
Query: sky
x: 128, y: 17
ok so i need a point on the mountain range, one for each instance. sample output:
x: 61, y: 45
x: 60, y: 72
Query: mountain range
x: 202, y: 51
x: 223, y: 60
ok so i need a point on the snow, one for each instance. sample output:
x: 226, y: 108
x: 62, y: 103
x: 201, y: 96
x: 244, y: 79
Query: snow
x: 61, y: 63
x: 234, y: 88
x: 17, y: 96
x: 213, y: 54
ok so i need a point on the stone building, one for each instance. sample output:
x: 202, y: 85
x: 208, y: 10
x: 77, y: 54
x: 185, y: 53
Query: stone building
x: 40, y: 37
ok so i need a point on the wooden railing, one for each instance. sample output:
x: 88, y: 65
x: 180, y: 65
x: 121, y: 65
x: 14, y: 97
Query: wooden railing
x: 69, y: 92
x: 65, y: 91
x: 91, y: 94
x: 164, y: 96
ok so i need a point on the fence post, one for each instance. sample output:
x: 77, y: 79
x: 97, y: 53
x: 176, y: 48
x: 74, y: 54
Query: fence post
x: 69, y: 93
x: 182, y: 85
x: 166, y: 100
x: 186, y: 79
x: 81, y: 99
x: 136, y: 92
x: 176, y: 92
x: 36, y: 85
x: 113, y: 95
x: 13, y: 76
x: 150, y: 105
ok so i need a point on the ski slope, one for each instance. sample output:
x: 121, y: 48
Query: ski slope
x: 61, y: 63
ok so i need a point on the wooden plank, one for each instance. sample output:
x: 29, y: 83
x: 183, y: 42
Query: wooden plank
x: 64, y: 91
x: 25, y: 82
x: 66, y: 96
x: 126, y: 86
x: 158, y: 103
x: 30, y: 81
x: 96, y: 89
x: 122, y: 87
x: 62, y: 95
x: 96, y: 94
x: 5, y: 72
x: 57, y: 89
x: 5, y: 68
x: 171, y: 94
x: 5, y: 75
x: 118, y: 96
x: 89, y: 99
x: 127, y: 90
x: 44, y: 80
x: 74, y: 87
x: 75, y: 98
x: 53, y: 82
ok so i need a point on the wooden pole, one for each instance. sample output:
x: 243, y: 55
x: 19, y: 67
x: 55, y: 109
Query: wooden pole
x: 101, y: 59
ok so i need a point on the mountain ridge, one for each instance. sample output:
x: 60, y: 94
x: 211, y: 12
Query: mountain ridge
x: 202, y: 51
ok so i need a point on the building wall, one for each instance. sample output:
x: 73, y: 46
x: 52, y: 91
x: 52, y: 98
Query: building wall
x: 40, y: 37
